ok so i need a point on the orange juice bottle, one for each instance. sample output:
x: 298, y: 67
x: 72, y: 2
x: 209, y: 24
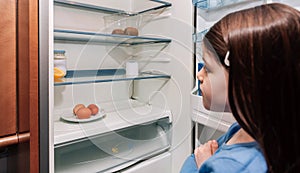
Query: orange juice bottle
x: 60, y: 60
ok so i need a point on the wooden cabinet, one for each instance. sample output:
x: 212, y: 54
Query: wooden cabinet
x: 19, y: 85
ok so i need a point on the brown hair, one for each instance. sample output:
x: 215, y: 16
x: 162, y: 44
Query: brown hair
x: 264, y: 77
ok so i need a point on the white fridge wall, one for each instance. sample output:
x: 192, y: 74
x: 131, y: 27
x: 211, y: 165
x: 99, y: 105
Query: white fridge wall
x: 67, y: 96
x: 109, y: 4
x: 78, y: 19
x: 175, y: 95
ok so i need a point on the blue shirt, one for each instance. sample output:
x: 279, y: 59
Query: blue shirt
x: 235, y: 158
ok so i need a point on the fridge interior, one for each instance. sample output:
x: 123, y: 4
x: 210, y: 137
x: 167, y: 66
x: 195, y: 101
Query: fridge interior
x: 137, y: 116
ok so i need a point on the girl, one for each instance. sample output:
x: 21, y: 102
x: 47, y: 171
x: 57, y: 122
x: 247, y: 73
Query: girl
x: 257, y: 50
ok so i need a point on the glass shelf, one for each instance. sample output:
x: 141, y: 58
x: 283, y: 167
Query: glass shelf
x: 66, y: 132
x: 92, y: 37
x: 152, y: 5
x: 107, y: 75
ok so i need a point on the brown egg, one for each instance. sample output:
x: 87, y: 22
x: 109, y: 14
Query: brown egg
x: 131, y: 31
x: 94, y: 108
x: 118, y: 31
x: 77, y: 107
x: 84, y: 113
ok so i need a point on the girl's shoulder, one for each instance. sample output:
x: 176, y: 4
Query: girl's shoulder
x: 230, y: 132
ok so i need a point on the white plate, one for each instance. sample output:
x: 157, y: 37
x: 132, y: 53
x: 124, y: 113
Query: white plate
x: 72, y: 118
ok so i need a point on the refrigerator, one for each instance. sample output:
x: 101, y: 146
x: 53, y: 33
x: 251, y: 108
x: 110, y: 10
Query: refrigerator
x: 136, y: 60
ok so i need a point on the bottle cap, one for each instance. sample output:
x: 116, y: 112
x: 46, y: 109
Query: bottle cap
x: 59, y: 51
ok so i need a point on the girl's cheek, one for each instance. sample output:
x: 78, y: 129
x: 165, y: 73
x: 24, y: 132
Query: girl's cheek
x: 205, y: 87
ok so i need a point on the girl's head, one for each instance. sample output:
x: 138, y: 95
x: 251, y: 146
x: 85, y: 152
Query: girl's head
x: 213, y: 79
x: 263, y: 44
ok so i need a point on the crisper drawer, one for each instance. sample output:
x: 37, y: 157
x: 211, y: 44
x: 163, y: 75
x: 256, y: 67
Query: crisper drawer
x: 115, y: 150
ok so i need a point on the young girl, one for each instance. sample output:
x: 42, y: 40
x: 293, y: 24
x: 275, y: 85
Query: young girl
x: 257, y: 50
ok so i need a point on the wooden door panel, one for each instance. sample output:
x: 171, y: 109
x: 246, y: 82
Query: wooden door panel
x: 23, y: 66
x: 8, y: 120
x: 33, y: 84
